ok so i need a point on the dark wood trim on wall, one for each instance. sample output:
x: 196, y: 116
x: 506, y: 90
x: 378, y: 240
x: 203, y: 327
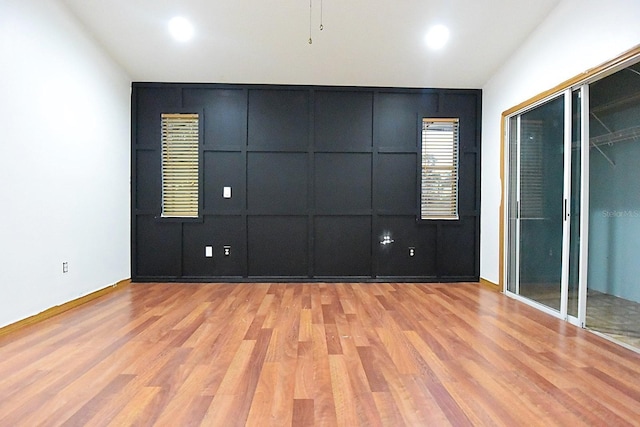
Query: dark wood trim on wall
x: 318, y: 176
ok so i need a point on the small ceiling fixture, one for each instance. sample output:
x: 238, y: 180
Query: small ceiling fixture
x: 180, y: 28
x: 437, y: 36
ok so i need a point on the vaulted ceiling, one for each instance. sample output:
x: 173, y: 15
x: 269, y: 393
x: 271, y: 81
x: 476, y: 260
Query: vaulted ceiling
x: 363, y: 42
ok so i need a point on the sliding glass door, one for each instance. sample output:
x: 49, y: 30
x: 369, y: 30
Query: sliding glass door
x: 543, y: 214
x: 573, y: 203
x: 538, y: 208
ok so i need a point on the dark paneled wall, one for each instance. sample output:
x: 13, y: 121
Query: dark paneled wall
x: 318, y: 176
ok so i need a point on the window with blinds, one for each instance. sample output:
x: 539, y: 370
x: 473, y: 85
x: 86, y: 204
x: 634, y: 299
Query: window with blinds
x: 439, y: 181
x: 531, y: 169
x: 180, y: 184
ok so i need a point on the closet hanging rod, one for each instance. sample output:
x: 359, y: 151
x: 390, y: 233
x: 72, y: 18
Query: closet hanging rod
x: 610, y: 138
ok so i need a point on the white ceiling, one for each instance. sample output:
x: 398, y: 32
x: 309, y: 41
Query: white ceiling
x: 364, y: 42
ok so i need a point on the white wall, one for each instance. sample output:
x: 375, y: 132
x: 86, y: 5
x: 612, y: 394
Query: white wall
x: 64, y: 161
x: 576, y: 36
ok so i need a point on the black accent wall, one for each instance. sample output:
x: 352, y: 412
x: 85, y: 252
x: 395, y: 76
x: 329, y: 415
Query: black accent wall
x: 318, y: 175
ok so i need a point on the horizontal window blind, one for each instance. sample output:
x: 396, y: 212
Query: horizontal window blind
x: 180, y: 187
x: 531, y: 169
x: 439, y: 184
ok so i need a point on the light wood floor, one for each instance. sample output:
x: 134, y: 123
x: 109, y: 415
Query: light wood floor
x: 313, y: 354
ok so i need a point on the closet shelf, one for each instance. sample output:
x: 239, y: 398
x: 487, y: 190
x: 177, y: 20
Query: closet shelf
x: 617, y: 136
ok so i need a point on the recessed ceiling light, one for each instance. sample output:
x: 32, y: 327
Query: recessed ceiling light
x: 437, y: 36
x: 181, y: 29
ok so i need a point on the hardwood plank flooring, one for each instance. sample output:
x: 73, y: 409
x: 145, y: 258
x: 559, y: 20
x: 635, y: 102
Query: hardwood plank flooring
x: 313, y: 354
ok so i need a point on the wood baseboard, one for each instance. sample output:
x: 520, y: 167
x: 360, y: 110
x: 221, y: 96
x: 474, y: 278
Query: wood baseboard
x: 54, y: 311
x: 489, y: 284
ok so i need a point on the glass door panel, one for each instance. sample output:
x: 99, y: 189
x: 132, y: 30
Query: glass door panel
x: 536, y: 201
x: 541, y: 202
x: 574, y: 213
x: 512, y: 208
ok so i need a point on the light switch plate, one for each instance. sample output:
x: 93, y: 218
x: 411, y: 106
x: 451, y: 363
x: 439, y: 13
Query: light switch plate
x: 208, y: 251
x: 226, y: 192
